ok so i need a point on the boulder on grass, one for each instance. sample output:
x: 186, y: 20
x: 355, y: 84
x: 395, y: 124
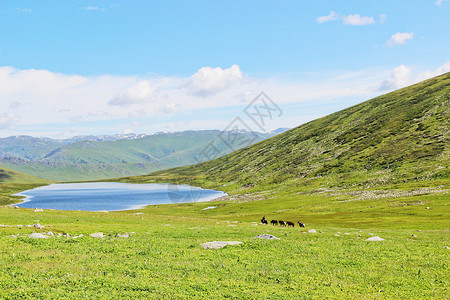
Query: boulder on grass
x: 218, y: 244
x: 375, y: 239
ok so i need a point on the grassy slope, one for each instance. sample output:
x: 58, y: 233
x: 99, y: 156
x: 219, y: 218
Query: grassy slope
x: 401, y: 137
x: 13, y: 181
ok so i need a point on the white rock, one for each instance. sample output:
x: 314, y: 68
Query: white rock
x: 231, y: 225
x: 36, y: 235
x: 97, y: 235
x: 235, y: 222
x: 375, y: 239
x: 37, y: 225
x: 103, y: 211
x: 312, y: 231
x: 209, y: 207
x: 126, y: 235
x: 138, y: 213
x: 50, y: 233
x: 38, y: 210
x: 266, y: 236
x: 336, y: 234
x: 218, y: 244
x: 447, y: 247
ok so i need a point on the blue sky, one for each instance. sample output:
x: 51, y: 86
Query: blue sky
x: 104, y: 67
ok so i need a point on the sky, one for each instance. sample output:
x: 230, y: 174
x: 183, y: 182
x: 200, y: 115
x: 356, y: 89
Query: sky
x: 85, y: 67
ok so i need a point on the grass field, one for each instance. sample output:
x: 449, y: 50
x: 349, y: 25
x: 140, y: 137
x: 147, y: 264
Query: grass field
x: 163, y: 259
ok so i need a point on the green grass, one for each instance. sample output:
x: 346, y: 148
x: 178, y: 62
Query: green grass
x: 163, y: 259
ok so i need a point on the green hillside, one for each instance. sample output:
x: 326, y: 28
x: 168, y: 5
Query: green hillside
x: 10, y: 176
x: 397, y: 138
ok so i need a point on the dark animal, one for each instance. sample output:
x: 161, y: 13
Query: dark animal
x: 282, y: 223
x: 263, y: 220
x: 289, y: 223
x: 274, y: 222
x: 301, y: 224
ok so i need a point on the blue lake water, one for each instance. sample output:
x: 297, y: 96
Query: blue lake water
x: 112, y: 196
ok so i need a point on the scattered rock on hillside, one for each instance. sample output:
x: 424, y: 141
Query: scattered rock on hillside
x: 375, y: 239
x: 138, y: 213
x: 447, y: 247
x: 50, y: 233
x: 266, y: 236
x: 36, y: 235
x: 37, y: 225
x: 97, y: 235
x: 218, y: 244
x: 38, y: 210
x: 312, y: 231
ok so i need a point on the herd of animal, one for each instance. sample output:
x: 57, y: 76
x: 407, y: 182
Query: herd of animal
x: 281, y: 223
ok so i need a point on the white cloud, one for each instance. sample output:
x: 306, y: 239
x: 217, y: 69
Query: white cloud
x: 331, y: 17
x: 399, y: 38
x: 403, y: 76
x: 8, y: 121
x: 138, y: 93
x: 209, y: 81
x: 357, y: 20
x: 353, y: 20
x: 95, y: 8
x: 445, y: 68
x: 400, y: 77
x: 24, y: 10
x: 54, y: 104
x: 439, y: 2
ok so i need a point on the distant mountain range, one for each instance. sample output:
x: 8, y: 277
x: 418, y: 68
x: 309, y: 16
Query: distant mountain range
x: 108, y: 156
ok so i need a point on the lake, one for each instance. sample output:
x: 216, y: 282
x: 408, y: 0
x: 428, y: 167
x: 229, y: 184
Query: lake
x: 112, y: 196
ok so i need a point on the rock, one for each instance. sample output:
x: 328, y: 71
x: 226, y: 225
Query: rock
x: 36, y: 235
x: 97, y: 235
x: 231, y: 225
x: 126, y: 235
x: 13, y: 236
x: 50, y: 233
x: 375, y: 239
x: 235, y: 222
x: 336, y: 234
x: 103, y: 211
x: 428, y: 208
x: 447, y: 247
x: 266, y: 236
x: 138, y: 213
x: 218, y: 244
x: 312, y: 231
x: 77, y: 236
x: 38, y: 210
x: 209, y: 207
x: 413, y: 235
x: 37, y: 225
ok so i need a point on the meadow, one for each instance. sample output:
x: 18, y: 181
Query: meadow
x: 162, y: 258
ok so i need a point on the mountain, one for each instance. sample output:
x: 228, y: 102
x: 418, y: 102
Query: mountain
x: 397, y: 138
x: 98, y: 157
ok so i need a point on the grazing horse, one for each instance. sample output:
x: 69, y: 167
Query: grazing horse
x: 274, y: 222
x: 289, y: 223
x: 263, y: 220
x: 282, y: 223
x: 301, y: 224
